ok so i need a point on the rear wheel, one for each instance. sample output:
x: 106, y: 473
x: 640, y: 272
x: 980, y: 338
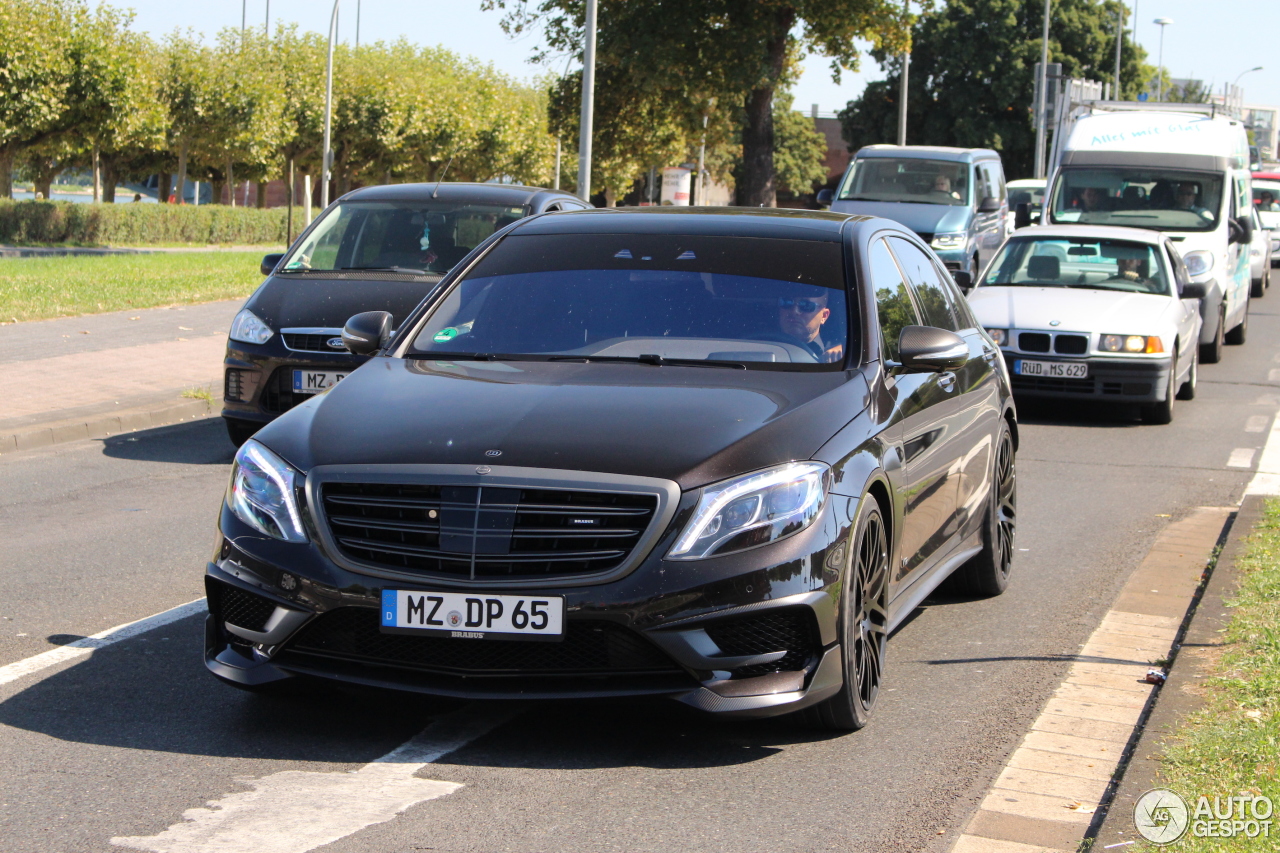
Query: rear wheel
x: 1211, y: 353
x: 1237, y: 336
x: 864, y: 626
x: 987, y: 574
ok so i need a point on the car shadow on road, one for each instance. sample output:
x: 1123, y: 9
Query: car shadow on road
x: 152, y: 693
x: 199, y: 442
x: 1082, y: 413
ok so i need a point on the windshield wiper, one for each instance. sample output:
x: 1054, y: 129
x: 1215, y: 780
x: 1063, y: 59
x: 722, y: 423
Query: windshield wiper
x: 651, y: 358
x: 402, y: 270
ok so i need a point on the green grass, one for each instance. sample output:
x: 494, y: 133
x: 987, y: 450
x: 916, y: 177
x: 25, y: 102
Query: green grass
x: 39, y: 288
x: 1232, y: 746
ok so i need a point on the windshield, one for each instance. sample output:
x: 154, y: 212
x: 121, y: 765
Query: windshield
x: 1164, y: 200
x: 907, y: 179
x: 1023, y: 194
x: 1266, y: 198
x: 736, y: 301
x: 1079, y: 262
x: 418, y: 237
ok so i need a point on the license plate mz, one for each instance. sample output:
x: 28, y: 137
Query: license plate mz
x: 315, y: 381
x: 472, y: 616
x: 1059, y: 369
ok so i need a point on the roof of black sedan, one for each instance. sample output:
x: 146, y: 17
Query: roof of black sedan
x: 453, y: 191
x: 786, y: 223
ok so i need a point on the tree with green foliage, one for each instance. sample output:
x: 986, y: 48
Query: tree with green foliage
x: 971, y: 76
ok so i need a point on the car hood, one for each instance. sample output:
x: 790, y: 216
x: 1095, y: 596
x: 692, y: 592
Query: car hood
x: 1074, y: 309
x: 921, y: 218
x: 692, y: 425
x: 288, y: 301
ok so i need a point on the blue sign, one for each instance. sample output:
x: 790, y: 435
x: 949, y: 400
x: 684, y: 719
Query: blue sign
x: 1142, y: 96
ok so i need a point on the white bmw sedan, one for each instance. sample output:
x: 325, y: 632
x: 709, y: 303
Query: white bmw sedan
x: 1091, y: 312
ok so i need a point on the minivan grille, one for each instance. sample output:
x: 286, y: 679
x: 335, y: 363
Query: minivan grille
x: 312, y: 343
x: 485, y: 532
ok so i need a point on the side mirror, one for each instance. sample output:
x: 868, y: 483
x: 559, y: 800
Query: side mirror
x: 1193, y: 290
x: 923, y: 349
x: 963, y: 280
x: 990, y: 204
x: 825, y: 197
x: 1245, y: 226
x: 1022, y: 215
x: 366, y: 333
x: 269, y: 262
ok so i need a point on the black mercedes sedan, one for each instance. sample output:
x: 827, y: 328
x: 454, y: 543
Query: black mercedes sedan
x: 378, y: 248
x: 710, y: 454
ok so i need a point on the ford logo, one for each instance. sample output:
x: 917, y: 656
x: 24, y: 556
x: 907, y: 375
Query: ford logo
x: 336, y: 343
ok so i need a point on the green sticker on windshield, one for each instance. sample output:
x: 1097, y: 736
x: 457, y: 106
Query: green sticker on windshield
x: 445, y: 335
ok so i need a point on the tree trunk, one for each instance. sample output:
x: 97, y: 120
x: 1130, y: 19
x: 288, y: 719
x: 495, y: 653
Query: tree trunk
x: 109, y: 179
x: 216, y: 187
x: 182, y: 171
x: 6, y: 174
x: 97, y: 176
x: 262, y: 195
x: 163, y: 185
x: 610, y: 198
x: 758, y: 188
x: 43, y: 185
x: 231, y: 184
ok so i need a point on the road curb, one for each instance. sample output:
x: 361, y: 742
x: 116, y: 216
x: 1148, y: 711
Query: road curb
x: 106, y: 424
x: 1178, y: 696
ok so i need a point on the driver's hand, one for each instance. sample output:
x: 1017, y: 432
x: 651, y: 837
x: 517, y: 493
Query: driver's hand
x: 833, y: 354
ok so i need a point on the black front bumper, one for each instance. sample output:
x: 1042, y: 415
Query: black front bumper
x: 1119, y: 380
x: 706, y: 633
x: 258, y: 380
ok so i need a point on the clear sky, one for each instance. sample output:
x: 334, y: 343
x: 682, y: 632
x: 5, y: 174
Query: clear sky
x: 1212, y: 41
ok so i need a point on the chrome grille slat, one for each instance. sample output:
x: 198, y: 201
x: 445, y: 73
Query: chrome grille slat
x: 514, y: 557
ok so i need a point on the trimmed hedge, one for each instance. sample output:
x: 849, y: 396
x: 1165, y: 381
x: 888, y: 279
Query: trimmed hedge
x: 128, y: 224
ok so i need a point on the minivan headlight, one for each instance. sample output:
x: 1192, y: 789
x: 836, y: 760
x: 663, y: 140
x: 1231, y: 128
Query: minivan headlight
x: 249, y: 328
x: 1198, y: 262
x: 263, y: 493
x: 754, y: 509
x: 951, y: 240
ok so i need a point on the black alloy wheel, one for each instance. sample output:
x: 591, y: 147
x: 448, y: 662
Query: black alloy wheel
x: 1162, y: 412
x: 1188, y: 389
x: 1237, y: 336
x: 864, y: 626
x: 1211, y: 353
x: 987, y: 574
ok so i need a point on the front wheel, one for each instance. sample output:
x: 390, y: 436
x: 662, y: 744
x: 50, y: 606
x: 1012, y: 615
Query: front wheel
x: 1188, y: 389
x: 987, y: 573
x: 1211, y: 353
x: 864, y: 626
x: 1237, y: 336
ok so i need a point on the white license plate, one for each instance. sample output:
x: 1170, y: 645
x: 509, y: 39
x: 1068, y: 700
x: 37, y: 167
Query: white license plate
x: 473, y: 616
x: 315, y: 381
x: 1062, y: 369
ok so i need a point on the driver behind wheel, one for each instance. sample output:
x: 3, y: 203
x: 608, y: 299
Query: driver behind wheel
x: 800, y: 318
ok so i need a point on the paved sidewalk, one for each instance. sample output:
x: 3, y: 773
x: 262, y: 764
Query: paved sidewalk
x: 92, y: 376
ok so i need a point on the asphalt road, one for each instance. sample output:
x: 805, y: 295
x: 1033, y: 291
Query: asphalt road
x: 124, y: 741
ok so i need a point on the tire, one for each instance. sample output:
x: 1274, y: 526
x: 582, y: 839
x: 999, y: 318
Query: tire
x: 863, y: 628
x: 987, y: 574
x: 240, y: 431
x: 1162, y: 412
x: 1211, y: 353
x: 1237, y: 336
x: 1187, y: 391
x: 1259, y: 286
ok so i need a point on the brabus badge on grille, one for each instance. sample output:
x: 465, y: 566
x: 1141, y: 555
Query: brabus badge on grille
x: 483, y: 469
x: 493, y: 454
x: 336, y: 343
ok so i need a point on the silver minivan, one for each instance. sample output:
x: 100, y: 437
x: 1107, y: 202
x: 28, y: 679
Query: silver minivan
x: 954, y: 198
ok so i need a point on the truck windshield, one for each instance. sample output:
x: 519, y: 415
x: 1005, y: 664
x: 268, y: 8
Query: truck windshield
x: 907, y: 180
x: 419, y: 237
x: 1091, y: 263
x: 1164, y: 200
x: 742, y: 302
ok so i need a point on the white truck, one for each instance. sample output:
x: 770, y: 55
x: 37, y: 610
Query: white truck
x: 1183, y: 173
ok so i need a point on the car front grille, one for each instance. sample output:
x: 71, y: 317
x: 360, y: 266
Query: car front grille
x: 277, y: 393
x: 1071, y: 344
x: 312, y: 342
x: 242, y: 608
x: 588, y: 648
x: 1050, y: 383
x: 791, y: 631
x: 1033, y: 342
x: 485, y: 532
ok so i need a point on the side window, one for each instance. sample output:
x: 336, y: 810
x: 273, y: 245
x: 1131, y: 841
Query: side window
x: 997, y: 180
x: 893, y: 303
x: 931, y: 295
x: 553, y: 207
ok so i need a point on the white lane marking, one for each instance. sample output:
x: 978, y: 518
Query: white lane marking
x: 1273, y: 375
x: 1256, y: 423
x: 294, y: 811
x: 1241, y: 457
x: 1267, y: 400
x: 1267, y: 479
x: 80, y: 648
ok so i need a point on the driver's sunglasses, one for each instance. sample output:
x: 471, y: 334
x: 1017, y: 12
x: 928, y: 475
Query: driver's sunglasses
x: 804, y: 306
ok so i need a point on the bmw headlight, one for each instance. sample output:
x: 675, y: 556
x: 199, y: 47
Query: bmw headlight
x: 951, y: 240
x: 999, y: 336
x: 263, y: 493
x: 753, y: 510
x: 249, y: 328
x: 1131, y: 343
x: 1198, y: 262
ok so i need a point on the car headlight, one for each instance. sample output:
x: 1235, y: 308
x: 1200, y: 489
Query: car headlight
x: 1131, y: 343
x: 249, y: 328
x: 952, y: 240
x: 263, y: 493
x: 1000, y: 336
x: 1198, y: 262
x: 754, y: 509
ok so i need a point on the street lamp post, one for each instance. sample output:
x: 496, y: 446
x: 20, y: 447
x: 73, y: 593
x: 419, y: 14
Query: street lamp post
x: 902, y: 83
x: 326, y: 162
x: 1163, y: 22
x: 1042, y: 95
x: 588, y: 104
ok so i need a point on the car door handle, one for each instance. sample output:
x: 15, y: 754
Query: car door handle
x: 989, y: 355
x: 947, y: 381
